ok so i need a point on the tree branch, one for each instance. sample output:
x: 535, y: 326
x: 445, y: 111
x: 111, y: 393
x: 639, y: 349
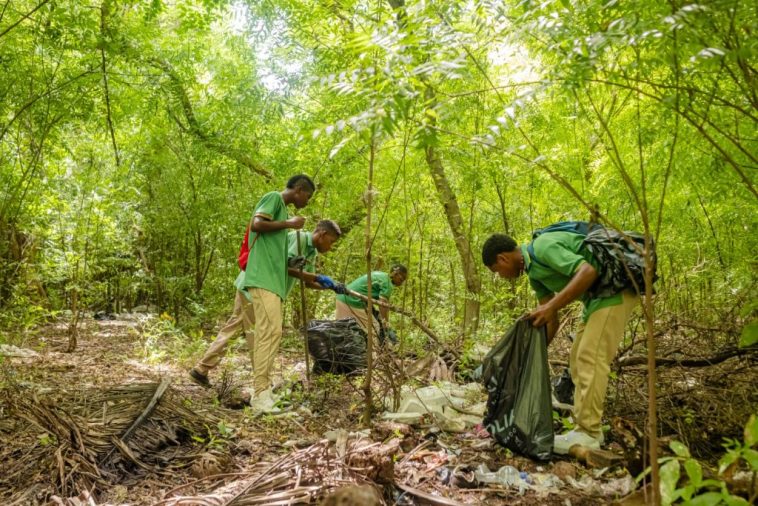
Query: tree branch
x: 25, y: 16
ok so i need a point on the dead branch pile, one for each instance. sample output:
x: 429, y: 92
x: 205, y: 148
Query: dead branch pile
x: 698, y: 406
x: 86, y: 441
x: 301, y: 477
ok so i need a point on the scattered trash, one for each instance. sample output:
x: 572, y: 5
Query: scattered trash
x: 333, y: 435
x: 545, y: 483
x: 563, y: 388
x: 9, y: 350
x: 451, y: 407
x: 617, y: 487
x: 507, y: 476
x: 459, y: 476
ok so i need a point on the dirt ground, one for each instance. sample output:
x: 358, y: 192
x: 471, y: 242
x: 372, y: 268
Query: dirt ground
x: 238, y: 449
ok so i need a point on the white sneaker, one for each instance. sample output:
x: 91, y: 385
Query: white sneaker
x: 564, y: 442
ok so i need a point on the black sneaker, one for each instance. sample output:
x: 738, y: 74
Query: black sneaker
x: 199, y: 378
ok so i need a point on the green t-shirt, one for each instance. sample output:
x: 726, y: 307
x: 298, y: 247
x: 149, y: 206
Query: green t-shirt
x: 563, y: 253
x: 381, y: 287
x: 307, y: 249
x: 267, y: 263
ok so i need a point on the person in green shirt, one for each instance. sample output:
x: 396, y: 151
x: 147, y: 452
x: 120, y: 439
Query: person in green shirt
x: 321, y: 241
x: 561, y: 271
x: 382, y: 283
x: 262, y: 286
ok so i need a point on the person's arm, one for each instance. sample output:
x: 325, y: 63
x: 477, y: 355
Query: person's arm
x: 262, y: 225
x: 308, y: 277
x: 552, y: 324
x: 384, y: 311
x: 548, y: 309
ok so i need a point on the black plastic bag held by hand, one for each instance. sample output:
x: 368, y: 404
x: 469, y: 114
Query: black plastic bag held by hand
x: 515, y: 373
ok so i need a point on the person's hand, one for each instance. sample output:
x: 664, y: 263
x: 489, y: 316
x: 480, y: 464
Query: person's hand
x: 297, y: 262
x: 543, y: 315
x: 296, y: 222
x: 325, y: 281
x: 340, y: 288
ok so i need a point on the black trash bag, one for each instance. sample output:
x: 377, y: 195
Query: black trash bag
x: 338, y: 346
x: 563, y: 387
x: 519, y: 411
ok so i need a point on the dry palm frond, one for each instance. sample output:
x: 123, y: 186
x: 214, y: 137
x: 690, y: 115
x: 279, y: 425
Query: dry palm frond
x: 300, y: 477
x: 94, y: 438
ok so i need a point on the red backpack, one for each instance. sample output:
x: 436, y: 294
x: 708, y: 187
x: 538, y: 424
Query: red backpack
x: 245, y: 248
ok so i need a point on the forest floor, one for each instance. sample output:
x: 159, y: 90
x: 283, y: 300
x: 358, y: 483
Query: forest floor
x: 62, y: 413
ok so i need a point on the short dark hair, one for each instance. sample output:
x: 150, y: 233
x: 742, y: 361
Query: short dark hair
x: 301, y: 181
x: 399, y: 268
x: 330, y: 227
x: 496, y: 244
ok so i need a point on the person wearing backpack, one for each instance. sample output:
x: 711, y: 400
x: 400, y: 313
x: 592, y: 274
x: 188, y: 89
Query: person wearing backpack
x: 561, y: 269
x: 262, y: 286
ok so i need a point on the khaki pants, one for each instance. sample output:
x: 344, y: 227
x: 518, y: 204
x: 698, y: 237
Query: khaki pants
x: 267, y: 307
x: 242, y: 319
x: 591, y: 357
x: 361, y: 315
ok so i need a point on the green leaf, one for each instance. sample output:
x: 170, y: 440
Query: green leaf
x: 694, y: 471
x: 749, y: 334
x: 687, y: 492
x: 727, y: 460
x: 707, y: 499
x: 751, y: 431
x: 712, y: 483
x: 751, y: 457
x: 733, y: 500
x: 680, y: 449
x: 669, y: 478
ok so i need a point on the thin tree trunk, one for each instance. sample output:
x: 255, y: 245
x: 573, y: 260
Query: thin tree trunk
x: 108, y: 116
x: 73, y: 326
x: 369, y: 402
x: 453, y: 214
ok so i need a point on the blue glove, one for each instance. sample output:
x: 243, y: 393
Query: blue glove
x: 325, y: 281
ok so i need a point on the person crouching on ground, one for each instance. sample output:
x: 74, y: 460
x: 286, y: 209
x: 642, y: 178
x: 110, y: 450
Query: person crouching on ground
x: 564, y: 272
x: 382, y: 284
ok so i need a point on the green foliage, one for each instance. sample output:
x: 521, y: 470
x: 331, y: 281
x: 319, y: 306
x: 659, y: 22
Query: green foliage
x: 138, y: 192
x: 745, y: 451
x: 697, y: 490
x: 216, y: 439
x: 47, y: 439
x: 566, y: 422
x: 162, y: 341
x: 749, y: 335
